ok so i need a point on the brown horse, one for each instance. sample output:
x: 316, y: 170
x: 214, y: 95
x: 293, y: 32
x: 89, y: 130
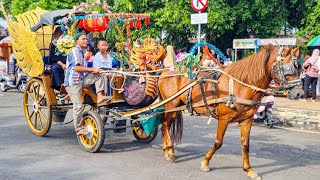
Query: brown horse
x: 256, y: 70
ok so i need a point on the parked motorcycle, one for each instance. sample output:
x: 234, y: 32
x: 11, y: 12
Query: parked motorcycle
x: 264, y: 113
x: 19, y: 81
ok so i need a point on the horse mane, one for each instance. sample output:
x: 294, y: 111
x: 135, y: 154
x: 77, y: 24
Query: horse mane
x: 252, y: 68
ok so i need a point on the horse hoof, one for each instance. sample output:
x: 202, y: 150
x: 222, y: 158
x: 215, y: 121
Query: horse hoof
x: 254, y: 176
x: 170, y: 158
x: 204, y: 167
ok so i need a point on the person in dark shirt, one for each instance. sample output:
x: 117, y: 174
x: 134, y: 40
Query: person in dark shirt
x: 57, y: 62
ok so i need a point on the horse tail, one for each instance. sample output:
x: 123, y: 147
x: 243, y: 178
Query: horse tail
x: 177, y: 128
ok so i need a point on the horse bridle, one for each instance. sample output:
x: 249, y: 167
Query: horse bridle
x: 281, y: 70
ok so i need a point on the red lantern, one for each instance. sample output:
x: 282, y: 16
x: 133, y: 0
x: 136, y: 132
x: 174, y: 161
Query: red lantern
x: 138, y: 23
x: 95, y: 24
x: 80, y: 24
x: 131, y: 24
x: 147, y: 21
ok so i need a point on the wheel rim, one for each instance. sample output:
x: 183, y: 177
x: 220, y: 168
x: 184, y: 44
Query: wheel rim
x: 37, y: 112
x: 91, y: 137
x: 140, y: 132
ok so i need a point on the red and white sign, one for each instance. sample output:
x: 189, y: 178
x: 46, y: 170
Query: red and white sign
x: 199, y: 5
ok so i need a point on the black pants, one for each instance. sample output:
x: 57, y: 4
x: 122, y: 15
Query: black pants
x: 57, y: 76
x: 307, y: 81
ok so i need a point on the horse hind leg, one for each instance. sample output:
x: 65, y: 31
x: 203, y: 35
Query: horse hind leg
x: 222, y: 126
x: 245, y: 139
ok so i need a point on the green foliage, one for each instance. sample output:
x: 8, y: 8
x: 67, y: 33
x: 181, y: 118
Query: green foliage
x: 227, y: 19
x: 309, y: 26
x: 186, y: 60
x: 18, y: 7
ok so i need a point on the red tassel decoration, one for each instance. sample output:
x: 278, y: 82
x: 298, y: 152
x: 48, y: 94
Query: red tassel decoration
x: 131, y: 24
x: 138, y: 23
x: 147, y: 21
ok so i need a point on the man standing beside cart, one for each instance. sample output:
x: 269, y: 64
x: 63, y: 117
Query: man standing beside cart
x: 78, y: 76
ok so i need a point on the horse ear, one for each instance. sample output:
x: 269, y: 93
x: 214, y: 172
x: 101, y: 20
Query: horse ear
x: 269, y: 47
x: 296, y: 51
x: 286, y: 51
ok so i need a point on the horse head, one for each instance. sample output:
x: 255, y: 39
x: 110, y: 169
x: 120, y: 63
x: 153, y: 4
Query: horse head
x: 285, y: 67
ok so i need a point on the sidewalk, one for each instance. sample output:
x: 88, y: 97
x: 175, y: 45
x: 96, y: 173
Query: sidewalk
x: 295, y: 113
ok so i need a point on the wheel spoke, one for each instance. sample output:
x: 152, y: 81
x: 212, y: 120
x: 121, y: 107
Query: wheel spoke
x: 44, y: 117
x: 29, y: 105
x: 41, y: 99
x: 35, y: 120
x: 30, y: 96
x: 33, y: 90
x: 40, y: 122
x: 31, y: 115
x: 94, y: 140
x: 38, y: 92
x: 43, y: 107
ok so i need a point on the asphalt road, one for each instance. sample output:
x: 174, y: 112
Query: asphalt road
x: 274, y: 153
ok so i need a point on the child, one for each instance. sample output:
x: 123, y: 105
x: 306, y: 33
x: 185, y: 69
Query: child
x: 89, y: 54
x: 102, y: 59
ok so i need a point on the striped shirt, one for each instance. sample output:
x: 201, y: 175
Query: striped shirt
x: 75, y: 57
x: 100, y: 62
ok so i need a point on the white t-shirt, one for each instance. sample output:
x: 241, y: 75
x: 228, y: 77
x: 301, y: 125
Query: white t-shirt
x: 100, y: 62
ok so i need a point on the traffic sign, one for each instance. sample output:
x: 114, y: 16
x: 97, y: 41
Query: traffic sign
x: 199, y: 5
x: 201, y: 18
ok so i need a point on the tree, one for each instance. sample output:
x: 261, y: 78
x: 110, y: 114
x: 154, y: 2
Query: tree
x: 227, y: 19
x: 309, y: 26
x: 18, y: 7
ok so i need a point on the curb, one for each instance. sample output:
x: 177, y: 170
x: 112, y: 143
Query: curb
x: 303, y: 119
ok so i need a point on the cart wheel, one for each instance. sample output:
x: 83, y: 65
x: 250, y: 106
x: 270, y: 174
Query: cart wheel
x: 142, y: 136
x: 3, y: 86
x: 94, y: 139
x: 22, y: 85
x: 38, y: 113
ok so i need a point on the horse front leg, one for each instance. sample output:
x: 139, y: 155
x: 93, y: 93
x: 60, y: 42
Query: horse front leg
x: 222, y: 126
x: 245, y: 142
x: 167, y: 145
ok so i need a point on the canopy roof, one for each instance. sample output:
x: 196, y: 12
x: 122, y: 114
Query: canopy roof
x: 49, y: 18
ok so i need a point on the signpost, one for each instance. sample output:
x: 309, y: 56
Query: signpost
x: 201, y: 18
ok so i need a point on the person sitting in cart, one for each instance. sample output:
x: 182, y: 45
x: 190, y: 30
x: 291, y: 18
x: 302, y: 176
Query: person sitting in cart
x: 102, y: 59
x: 58, y: 63
x: 89, y: 54
x: 78, y: 75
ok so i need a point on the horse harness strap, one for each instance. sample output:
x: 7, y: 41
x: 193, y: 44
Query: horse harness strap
x: 230, y: 102
x: 241, y: 101
x: 189, y: 95
x: 204, y: 96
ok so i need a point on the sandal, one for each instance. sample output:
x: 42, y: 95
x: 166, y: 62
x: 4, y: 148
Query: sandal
x: 106, y: 99
x: 81, y: 131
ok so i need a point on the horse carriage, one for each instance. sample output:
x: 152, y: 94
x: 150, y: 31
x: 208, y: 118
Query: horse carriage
x: 43, y: 105
x: 229, y: 94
